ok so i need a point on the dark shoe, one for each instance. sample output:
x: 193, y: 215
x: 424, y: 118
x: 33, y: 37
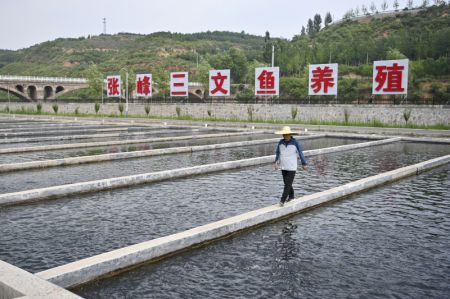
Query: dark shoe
x: 289, y: 199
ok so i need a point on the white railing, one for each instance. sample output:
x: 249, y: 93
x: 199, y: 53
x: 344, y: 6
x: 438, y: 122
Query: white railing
x: 59, y: 79
x: 42, y: 79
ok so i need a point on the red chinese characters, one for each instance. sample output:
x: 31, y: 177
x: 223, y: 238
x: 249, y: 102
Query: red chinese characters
x: 144, y: 85
x: 113, y: 86
x: 219, y: 83
x: 267, y: 81
x: 179, y: 84
x: 323, y: 79
x: 390, y: 77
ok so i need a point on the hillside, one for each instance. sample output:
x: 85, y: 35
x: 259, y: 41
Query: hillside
x: 423, y: 36
x: 70, y: 57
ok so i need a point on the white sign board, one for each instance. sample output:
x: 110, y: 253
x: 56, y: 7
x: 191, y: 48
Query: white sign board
x: 179, y: 84
x: 390, y: 77
x: 323, y: 79
x: 113, y: 87
x: 144, y: 85
x: 267, y: 81
x: 219, y: 83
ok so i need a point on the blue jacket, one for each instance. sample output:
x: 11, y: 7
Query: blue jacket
x: 288, y: 153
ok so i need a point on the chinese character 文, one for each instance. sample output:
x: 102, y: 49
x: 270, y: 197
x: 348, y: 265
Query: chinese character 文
x: 113, y: 86
x: 322, y: 79
x: 143, y: 85
x: 266, y: 83
x: 389, y: 78
x: 219, y: 80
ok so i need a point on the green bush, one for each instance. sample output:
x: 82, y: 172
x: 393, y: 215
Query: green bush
x: 55, y: 108
x: 250, y: 111
x: 346, y: 115
x: 39, y: 107
x: 120, y: 107
x: 407, y: 115
x: 294, y: 111
x: 97, y: 107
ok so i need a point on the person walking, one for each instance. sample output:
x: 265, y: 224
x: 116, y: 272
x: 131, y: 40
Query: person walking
x: 288, y: 152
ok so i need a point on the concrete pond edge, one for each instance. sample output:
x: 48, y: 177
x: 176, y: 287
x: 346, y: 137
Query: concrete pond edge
x: 20, y: 284
x: 136, y: 154
x: 32, y: 195
x: 95, y: 267
x: 120, y: 142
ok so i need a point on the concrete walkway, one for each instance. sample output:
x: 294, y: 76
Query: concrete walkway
x: 123, y: 259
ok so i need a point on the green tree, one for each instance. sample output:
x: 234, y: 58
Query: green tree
x: 267, y: 55
x: 310, y: 27
x: 393, y: 54
x: 328, y: 19
x: 303, y: 31
x: 396, y: 5
x: 161, y: 79
x: 317, y: 23
x: 95, y: 80
x: 235, y: 60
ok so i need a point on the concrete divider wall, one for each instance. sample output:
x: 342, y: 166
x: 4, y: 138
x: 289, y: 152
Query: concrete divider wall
x: 135, y: 154
x: 118, y: 182
x: 95, y: 267
x: 22, y: 134
x: 120, y: 142
x: 91, y: 136
x: 18, y: 283
x: 129, y: 155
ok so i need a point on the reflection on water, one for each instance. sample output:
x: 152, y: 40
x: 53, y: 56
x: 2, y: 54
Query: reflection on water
x: 390, y: 242
x: 40, y: 178
x: 47, y: 155
x: 72, y: 228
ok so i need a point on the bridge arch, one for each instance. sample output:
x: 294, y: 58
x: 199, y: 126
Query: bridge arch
x: 19, y: 88
x: 48, y: 92
x: 32, y: 92
x: 59, y: 89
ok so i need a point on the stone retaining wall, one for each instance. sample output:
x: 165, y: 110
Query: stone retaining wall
x: 421, y: 115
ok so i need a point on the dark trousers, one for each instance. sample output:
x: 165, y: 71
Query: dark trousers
x: 288, y: 178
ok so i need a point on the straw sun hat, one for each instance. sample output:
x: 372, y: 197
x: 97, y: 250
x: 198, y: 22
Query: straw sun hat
x: 286, y: 131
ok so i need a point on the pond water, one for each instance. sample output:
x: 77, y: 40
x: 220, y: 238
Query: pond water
x: 50, y: 233
x: 40, y: 178
x: 57, y: 154
x: 123, y: 136
x: 390, y: 242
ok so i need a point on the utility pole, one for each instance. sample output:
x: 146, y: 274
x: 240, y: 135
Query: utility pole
x: 273, y: 54
x: 9, y: 101
x: 104, y: 25
x: 126, y: 95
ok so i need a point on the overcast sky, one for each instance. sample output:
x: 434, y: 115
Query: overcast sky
x: 24, y: 23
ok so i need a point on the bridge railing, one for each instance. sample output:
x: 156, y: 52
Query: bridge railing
x: 42, y: 79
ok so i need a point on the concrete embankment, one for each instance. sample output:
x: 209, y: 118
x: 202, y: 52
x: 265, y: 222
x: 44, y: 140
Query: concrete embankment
x: 123, y: 259
x: 18, y: 283
x: 120, y: 182
x: 119, y: 142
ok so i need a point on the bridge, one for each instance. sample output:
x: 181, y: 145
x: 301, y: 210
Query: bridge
x: 40, y: 88
x: 49, y: 88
